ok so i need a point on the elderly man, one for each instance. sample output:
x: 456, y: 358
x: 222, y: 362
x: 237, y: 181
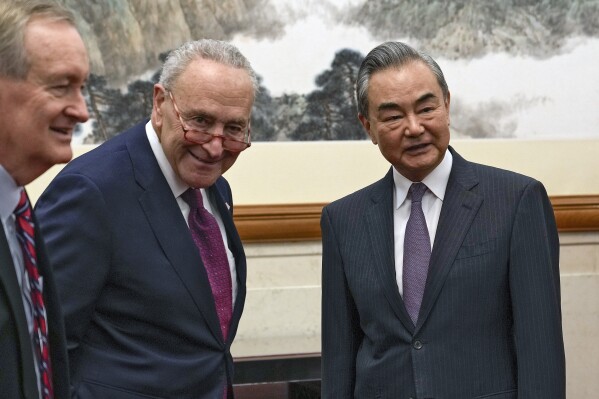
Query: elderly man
x: 149, y: 266
x: 43, y: 67
x: 441, y: 280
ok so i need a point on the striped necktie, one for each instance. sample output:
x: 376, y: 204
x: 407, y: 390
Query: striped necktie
x: 26, y: 237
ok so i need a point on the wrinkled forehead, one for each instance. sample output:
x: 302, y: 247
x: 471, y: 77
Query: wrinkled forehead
x: 201, y: 72
x: 404, y: 79
x: 216, y: 90
x: 55, y: 50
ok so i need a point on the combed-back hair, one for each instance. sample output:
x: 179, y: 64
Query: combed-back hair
x: 215, y: 50
x: 392, y: 55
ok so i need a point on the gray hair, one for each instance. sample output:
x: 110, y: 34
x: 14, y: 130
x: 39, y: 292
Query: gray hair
x: 392, y: 55
x: 215, y: 50
x: 14, y: 16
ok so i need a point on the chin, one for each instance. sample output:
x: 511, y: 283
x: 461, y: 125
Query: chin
x: 66, y: 156
x: 201, y: 181
x: 61, y: 157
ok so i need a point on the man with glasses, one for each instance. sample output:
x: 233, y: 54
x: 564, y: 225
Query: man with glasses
x: 149, y: 265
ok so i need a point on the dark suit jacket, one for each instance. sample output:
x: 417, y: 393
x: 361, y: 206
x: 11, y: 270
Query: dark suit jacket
x: 17, y: 368
x: 139, y: 313
x: 490, y: 321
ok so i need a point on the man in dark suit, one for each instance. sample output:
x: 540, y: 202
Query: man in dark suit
x: 149, y: 311
x: 441, y: 280
x: 43, y: 66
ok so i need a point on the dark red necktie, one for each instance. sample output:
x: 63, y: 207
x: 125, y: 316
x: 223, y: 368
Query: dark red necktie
x: 26, y: 237
x: 207, y: 237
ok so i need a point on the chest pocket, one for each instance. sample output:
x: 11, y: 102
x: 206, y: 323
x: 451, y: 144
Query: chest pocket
x: 477, y: 249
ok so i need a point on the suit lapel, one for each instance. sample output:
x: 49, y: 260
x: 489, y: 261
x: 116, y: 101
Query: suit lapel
x: 10, y: 284
x: 460, y: 206
x: 379, y: 219
x: 171, y: 231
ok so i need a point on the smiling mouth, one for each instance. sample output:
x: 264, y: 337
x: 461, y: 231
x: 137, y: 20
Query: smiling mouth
x: 205, y: 161
x: 64, y: 131
x: 417, y: 147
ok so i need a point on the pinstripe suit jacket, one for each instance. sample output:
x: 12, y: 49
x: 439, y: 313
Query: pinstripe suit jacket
x: 490, y: 321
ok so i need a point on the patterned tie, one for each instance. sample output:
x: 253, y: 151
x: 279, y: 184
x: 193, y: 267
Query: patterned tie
x: 207, y: 237
x: 416, y: 253
x: 26, y: 237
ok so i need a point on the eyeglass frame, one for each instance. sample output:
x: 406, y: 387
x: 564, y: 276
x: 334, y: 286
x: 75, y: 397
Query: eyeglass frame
x: 186, y: 129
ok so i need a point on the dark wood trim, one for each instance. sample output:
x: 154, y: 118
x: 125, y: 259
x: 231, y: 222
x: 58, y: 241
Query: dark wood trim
x: 576, y: 213
x: 294, y: 376
x: 288, y: 222
x: 279, y: 390
x: 301, y: 222
x: 277, y: 368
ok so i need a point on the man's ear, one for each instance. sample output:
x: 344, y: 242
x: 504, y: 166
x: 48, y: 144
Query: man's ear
x: 447, y: 107
x: 158, y: 99
x: 366, y: 124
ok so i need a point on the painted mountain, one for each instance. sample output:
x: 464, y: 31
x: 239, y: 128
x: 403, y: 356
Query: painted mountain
x: 519, y: 68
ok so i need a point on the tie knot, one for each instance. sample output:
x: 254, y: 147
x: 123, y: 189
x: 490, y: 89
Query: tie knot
x: 193, y: 197
x: 23, y: 205
x: 417, y: 191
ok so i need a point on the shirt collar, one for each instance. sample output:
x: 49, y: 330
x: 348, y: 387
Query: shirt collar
x: 436, y: 181
x: 177, y: 186
x: 9, y: 194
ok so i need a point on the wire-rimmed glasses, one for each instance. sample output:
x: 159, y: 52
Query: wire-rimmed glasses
x: 198, y: 129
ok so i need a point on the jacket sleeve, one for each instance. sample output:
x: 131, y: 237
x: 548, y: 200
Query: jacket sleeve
x: 74, y: 222
x: 341, y: 332
x: 535, y: 293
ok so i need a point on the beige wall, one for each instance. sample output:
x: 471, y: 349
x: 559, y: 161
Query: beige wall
x: 580, y: 308
x: 324, y: 171
x: 283, y: 173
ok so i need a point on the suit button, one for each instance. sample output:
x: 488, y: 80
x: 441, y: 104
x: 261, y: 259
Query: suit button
x: 417, y: 345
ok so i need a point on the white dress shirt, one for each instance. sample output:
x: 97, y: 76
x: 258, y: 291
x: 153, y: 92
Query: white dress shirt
x: 178, y: 187
x: 436, y: 181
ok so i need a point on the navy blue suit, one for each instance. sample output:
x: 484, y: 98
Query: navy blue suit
x: 490, y: 321
x: 139, y: 312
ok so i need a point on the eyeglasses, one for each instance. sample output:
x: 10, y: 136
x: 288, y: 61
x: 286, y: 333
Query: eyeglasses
x: 198, y: 129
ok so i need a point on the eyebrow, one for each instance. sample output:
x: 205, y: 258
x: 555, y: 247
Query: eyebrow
x: 195, y: 113
x: 426, y: 97
x: 66, y: 73
x: 395, y: 106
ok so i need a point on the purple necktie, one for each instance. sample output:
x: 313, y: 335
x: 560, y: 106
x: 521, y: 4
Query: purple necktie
x: 416, y: 253
x: 207, y: 237
x: 26, y: 237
